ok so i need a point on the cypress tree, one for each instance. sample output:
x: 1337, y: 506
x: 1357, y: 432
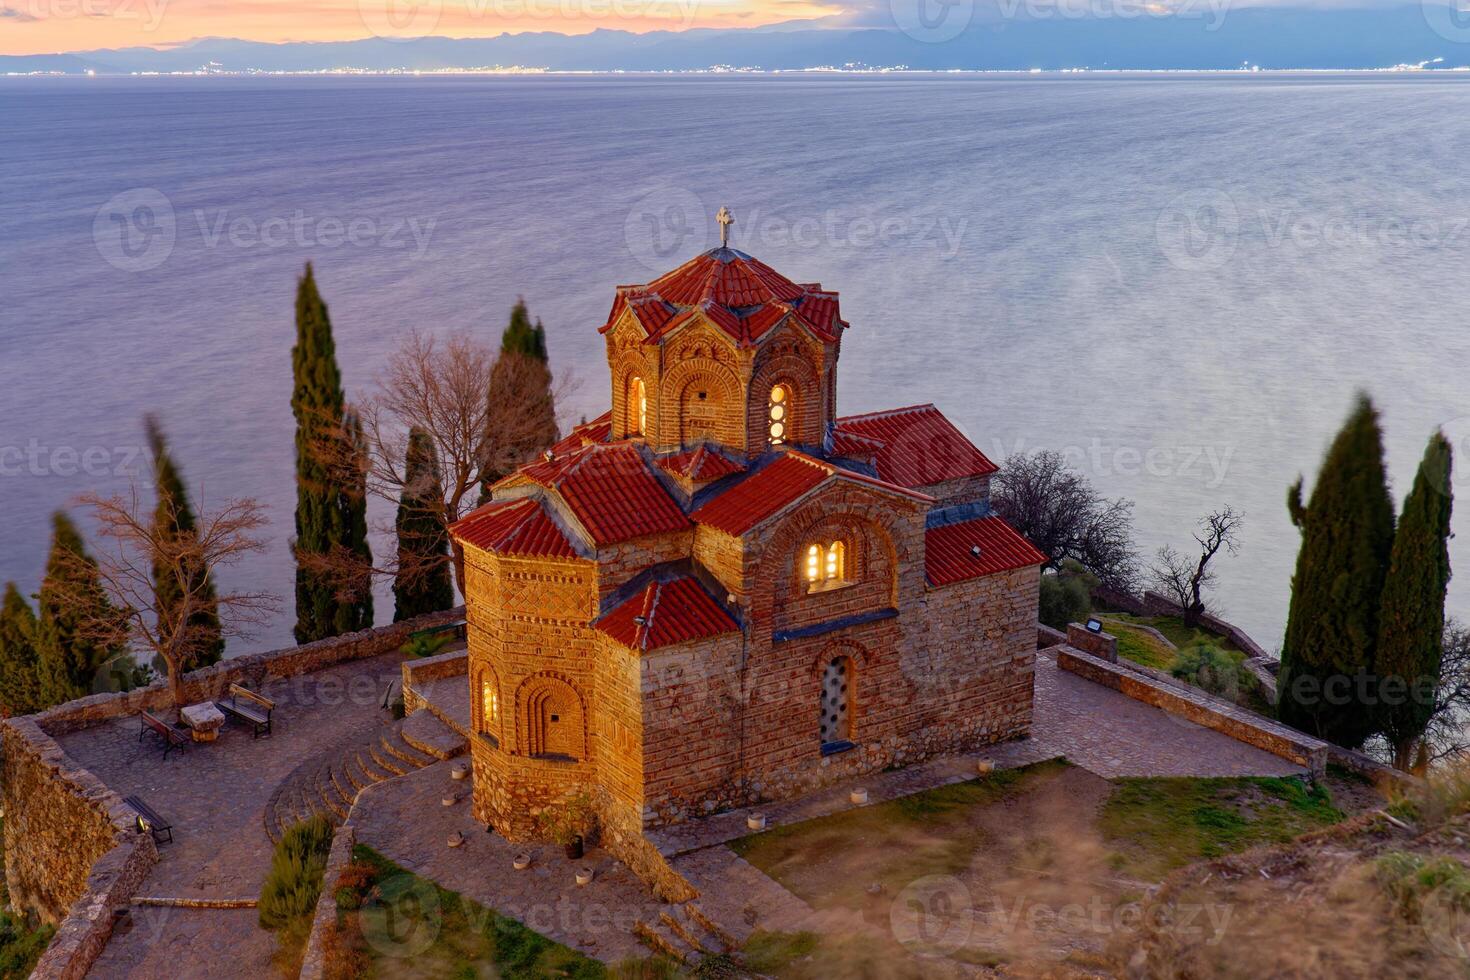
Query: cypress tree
x: 331, y: 516
x: 71, y: 602
x: 522, y: 416
x: 174, y: 517
x: 422, y: 584
x: 1332, y: 626
x: 355, y: 609
x: 1411, y: 616
x: 20, y: 681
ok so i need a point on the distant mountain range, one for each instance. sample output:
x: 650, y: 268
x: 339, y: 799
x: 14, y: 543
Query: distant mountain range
x: 1213, y: 36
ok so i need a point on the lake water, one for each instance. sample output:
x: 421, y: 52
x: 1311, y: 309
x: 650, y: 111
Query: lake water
x: 1180, y: 280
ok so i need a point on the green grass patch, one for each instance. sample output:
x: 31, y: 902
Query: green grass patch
x: 924, y: 834
x: 407, y: 926
x: 1157, y: 825
x: 1140, y: 646
x: 1173, y: 627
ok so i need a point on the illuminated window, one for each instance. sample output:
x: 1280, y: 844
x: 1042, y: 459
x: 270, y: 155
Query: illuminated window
x: 826, y: 565
x: 489, y: 705
x: 639, y: 407
x: 777, y: 411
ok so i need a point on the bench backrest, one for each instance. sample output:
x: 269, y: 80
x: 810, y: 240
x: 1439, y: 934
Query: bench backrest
x: 236, y: 691
x: 161, y: 727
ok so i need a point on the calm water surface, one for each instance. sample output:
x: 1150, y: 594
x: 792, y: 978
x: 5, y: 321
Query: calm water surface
x: 1182, y: 281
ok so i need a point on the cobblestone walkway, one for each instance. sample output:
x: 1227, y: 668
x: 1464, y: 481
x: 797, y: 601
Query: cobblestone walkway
x: 215, y: 795
x: 405, y: 820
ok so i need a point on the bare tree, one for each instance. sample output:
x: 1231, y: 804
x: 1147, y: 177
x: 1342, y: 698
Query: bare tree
x: 1058, y: 510
x: 1185, y: 581
x: 442, y: 387
x: 1447, y: 737
x: 139, y: 558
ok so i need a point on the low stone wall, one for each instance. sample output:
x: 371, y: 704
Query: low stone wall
x: 1161, y: 605
x: 1048, y: 637
x: 1202, y: 709
x: 417, y: 673
x: 251, y: 670
x: 313, y: 964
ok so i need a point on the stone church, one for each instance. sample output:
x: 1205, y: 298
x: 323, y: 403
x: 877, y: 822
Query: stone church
x: 722, y: 592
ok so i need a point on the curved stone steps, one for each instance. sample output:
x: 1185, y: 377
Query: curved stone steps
x: 404, y: 752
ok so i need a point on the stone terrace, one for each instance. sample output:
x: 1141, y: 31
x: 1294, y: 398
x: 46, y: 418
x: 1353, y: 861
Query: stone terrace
x: 215, y: 796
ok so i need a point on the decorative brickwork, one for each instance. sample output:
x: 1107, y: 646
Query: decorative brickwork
x: 786, y: 636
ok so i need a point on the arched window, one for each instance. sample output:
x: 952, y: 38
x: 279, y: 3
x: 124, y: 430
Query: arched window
x: 778, y: 412
x: 638, y: 407
x: 825, y: 565
x: 836, y: 723
x: 489, y: 707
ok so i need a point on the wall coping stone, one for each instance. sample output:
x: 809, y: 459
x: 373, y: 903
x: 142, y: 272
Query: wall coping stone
x: 313, y: 963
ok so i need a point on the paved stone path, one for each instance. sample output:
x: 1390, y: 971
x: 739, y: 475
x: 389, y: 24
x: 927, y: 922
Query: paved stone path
x: 405, y: 820
x: 215, y: 795
x: 1113, y: 735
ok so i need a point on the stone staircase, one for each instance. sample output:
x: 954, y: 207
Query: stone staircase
x: 683, y: 932
x: 328, y: 784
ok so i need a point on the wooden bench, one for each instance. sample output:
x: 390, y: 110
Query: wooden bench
x: 173, y: 737
x: 249, y: 707
x: 149, y: 820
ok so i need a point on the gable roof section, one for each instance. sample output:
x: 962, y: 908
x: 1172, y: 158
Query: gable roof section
x: 609, y: 489
x: 913, y: 447
x: 741, y: 295
x: 949, y: 555
x: 585, y: 433
x: 770, y: 489
x: 514, y: 527
x: 665, y: 613
x: 701, y: 464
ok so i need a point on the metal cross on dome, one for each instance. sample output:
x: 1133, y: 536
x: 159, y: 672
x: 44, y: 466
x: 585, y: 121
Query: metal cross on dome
x: 726, y: 219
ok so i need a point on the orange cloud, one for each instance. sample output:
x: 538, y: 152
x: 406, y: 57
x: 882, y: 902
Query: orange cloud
x: 49, y: 26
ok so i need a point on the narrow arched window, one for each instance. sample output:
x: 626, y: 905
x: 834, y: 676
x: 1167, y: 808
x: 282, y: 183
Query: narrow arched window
x: 778, y: 411
x: 836, y: 724
x: 489, y: 708
x: 825, y: 565
x: 638, y: 410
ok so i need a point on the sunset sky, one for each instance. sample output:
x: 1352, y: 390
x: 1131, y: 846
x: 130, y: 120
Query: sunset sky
x: 49, y: 26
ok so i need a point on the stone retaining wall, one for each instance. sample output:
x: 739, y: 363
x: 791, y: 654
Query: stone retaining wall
x: 72, y: 853
x: 313, y: 964
x: 252, y: 670
x: 1202, y: 709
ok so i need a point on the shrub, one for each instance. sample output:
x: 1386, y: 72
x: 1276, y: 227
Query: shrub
x: 294, y: 883
x: 22, y: 942
x: 1207, y: 666
x: 1064, y: 599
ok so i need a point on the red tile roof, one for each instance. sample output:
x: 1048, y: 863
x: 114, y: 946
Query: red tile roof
x: 664, y: 613
x: 757, y: 497
x: 949, y: 558
x: 585, y: 433
x: 610, y: 489
x: 768, y: 490
x: 513, y: 527
x: 915, y: 446
x: 701, y: 465
x: 743, y: 296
